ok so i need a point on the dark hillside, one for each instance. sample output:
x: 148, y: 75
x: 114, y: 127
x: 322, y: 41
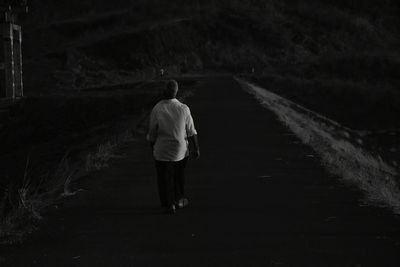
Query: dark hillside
x: 344, y: 51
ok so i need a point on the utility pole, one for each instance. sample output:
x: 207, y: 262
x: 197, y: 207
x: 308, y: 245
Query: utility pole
x: 11, y: 79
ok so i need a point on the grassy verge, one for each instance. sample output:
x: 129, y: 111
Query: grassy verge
x: 368, y: 108
x: 33, y: 197
x: 25, y: 199
x: 339, y: 149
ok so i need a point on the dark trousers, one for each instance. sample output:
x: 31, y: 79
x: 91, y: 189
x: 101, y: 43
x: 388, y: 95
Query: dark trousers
x: 171, y: 181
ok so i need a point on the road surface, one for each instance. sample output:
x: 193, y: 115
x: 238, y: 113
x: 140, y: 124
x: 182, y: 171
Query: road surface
x: 258, y: 197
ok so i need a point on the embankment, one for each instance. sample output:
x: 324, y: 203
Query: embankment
x: 339, y: 148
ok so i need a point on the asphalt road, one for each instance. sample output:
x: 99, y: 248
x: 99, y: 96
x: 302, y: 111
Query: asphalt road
x: 258, y: 197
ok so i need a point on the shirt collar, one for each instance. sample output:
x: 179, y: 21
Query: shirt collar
x: 170, y: 100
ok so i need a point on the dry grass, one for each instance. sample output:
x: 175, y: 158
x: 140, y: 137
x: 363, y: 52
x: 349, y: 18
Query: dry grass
x: 34, y: 196
x: 341, y: 154
x: 99, y: 159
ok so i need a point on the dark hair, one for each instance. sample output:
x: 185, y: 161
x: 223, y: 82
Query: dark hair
x: 171, y: 89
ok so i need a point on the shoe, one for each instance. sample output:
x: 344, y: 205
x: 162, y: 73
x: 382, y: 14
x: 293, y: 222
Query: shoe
x: 183, y: 202
x: 172, y: 209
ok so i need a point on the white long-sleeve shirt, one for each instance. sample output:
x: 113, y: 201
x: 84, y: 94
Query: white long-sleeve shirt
x: 170, y: 126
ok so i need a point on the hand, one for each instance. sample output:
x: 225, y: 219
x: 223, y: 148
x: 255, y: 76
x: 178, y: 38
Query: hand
x: 196, y: 154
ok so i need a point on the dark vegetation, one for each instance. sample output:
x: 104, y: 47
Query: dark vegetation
x: 337, y: 57
x: 51, y: 142
x: 310, y: 51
